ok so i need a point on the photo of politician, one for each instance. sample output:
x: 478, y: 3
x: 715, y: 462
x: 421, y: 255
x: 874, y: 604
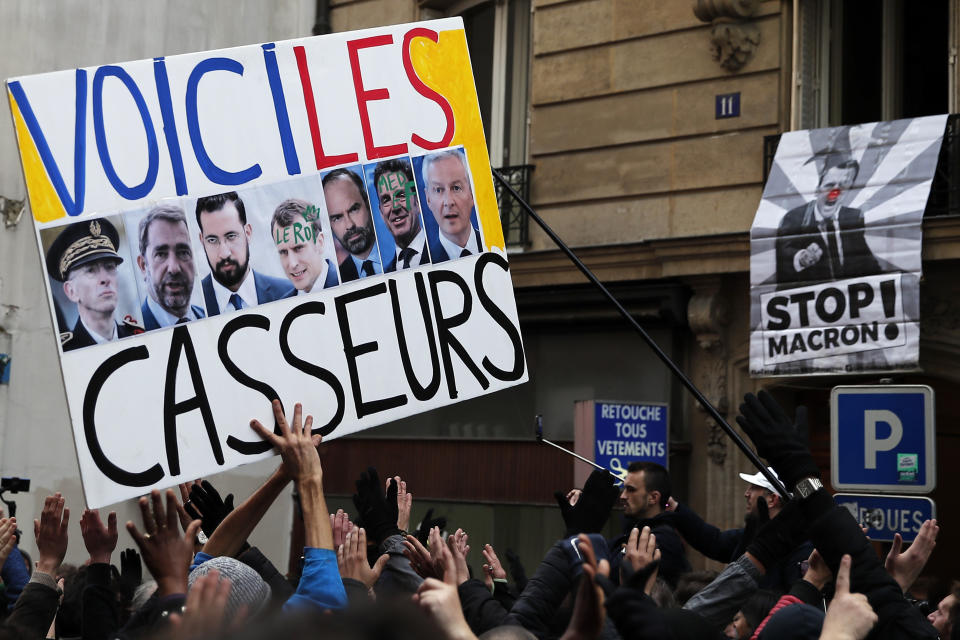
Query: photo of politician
x: 393, y: 193
x: 447, y: 194
x: 351, y: 221
x: 166, y: 266
x: 88, y: 266
x: 226, y: 236
x: 301, y: 246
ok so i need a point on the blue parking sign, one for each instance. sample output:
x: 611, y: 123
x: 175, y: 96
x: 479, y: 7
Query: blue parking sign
x: 882, y: 439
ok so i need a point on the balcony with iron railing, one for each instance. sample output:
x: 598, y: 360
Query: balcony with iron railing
x: 513, y: 218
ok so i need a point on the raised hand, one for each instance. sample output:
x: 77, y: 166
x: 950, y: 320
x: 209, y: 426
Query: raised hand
x: 166, y: 553
x: 341, y: 526
x: 642, y: 553
x: 296, y: 445
x: 100, y: 540
x: 818, y: 573
x: 352, y: 559
x: 51, y: 533
x: 440, y: 600
x: 849, y: 616
x: 378, y: 513
x: 492, y: 569
x: 206, y: 505
x: 425, y: 562
x: 590, y: 510
x: 906, y: 566
x: 588, y: 611
x: 782, y: 441
x: 404, y: 502
x: 459, y: 549
x: 429, y: 522
x: 8, y: 538
x: 131, y: 572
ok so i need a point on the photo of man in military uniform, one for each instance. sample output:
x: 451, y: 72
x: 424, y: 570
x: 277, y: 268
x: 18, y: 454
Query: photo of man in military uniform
x: 84, y: 259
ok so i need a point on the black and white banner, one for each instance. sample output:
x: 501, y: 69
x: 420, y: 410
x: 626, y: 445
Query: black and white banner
x: 835, y: 249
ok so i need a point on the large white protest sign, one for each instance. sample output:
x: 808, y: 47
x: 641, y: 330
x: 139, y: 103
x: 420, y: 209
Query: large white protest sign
x: 311, y: 220
x: 835, y: 249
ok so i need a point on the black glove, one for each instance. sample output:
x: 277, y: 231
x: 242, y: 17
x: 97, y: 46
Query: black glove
x: 377, y: 512
x: 779, y: 536
x: 782, y: 442
x: 429, y: 522
x: 212, y: 508
x: 755, y: 522
x: 517, y: 570
x: 131, y: 573
x: 593, y: 508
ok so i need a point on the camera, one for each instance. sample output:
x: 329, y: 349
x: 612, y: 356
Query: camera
x: 14, y: 485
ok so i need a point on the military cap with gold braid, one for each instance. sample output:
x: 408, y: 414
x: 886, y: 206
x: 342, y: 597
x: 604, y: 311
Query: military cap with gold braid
x: 80, y: 243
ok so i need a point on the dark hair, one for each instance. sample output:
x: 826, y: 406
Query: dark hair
x: 209, y: 204
x: 394, y: 165
x: 655, y: 477
x: 342, y: 174
x: 690, y: 583
x: 291, y: 209
x: 168, y: 212
x: 758, y: 605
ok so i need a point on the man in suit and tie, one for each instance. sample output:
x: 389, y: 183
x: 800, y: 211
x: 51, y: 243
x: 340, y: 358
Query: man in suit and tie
x: 231, y: 284
x: 450, y: 200
x: 352, y: 224
x: 166, y: 265
x: 823, y: 240
x: 299, y: 240
x: 400, y: 209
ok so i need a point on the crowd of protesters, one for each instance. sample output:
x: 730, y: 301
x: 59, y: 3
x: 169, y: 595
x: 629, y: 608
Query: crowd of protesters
x: 362, y: 575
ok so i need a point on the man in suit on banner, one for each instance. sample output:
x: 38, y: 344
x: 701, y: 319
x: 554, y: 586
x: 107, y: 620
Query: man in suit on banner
x: 400, y: 209
x: 352, y: 224
x: 166, y: 264
x: 299, y: 240
x: 450, y: 200
x: 823, y: 240
x: 84, y: 258
x: 232, y: 284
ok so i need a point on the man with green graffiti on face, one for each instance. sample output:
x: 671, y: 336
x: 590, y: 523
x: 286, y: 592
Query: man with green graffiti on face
x: 400, y: 209
x: 298, y: 238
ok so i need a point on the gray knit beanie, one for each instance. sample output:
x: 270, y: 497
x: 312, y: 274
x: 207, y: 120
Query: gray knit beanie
x: 249, y: 589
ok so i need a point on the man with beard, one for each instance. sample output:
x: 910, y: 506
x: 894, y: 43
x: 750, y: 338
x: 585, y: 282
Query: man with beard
x: 84, y: 258
x: 352, y: 224
x: 225, y: 233
x: 450, y: 200
x: 823, y: 240
x: 166, y: 263
x: 400, y: 209
x: 762, y: 504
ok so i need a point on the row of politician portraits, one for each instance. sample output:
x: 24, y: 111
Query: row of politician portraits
x: 184, y: 259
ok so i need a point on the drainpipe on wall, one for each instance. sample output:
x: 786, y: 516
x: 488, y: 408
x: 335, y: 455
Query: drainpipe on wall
x: 321, y: 25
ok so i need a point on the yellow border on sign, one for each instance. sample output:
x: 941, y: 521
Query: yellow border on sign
x: 445, y: 67
x: 44, y: 202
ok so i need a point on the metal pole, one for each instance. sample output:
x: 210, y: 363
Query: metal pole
x: 692, y: 388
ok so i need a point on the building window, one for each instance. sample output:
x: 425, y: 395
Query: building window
x: 872, y: 60
x: 498, y: 36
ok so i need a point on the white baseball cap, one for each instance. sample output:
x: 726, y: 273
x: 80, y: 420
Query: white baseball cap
x: 761, y: 480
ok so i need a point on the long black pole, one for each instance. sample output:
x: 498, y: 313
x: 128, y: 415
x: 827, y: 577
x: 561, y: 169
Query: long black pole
x: 692, y: 388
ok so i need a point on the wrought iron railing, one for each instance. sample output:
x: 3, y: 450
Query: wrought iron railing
x: 513, y: 218
x: 944, y: 192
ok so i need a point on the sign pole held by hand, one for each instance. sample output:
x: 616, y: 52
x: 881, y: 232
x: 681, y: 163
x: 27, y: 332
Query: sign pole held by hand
x: 692, y: 388
x: 620, y: 474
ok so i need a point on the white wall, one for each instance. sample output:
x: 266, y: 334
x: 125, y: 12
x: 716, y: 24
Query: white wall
x: 46, y: 35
